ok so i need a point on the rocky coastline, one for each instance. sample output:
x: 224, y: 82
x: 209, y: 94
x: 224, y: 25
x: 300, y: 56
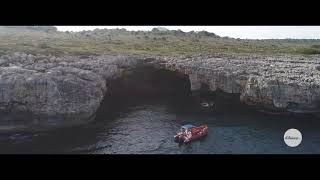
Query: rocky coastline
x: 67, y: 90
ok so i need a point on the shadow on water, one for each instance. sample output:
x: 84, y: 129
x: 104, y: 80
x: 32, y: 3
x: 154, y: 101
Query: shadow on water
x: 140, y: 115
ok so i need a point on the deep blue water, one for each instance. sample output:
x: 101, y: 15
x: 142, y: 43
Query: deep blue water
x: 147, y: 126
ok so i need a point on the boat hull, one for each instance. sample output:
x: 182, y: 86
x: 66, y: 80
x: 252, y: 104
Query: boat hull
x: 195, y: 134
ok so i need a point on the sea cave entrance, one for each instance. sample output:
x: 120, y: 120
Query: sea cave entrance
x: 148, y: 82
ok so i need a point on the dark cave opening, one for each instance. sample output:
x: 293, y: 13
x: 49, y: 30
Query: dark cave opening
x: 144, y: 85
x: 149, y: 83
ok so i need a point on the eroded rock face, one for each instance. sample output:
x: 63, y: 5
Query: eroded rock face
x: 278, y: 82
x: 56, y: 91
x: 60, y: 91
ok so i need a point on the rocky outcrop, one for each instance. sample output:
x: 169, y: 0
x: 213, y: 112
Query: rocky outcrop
x: 56, y: 91
x: 62, y: 91
x: 282, y: 82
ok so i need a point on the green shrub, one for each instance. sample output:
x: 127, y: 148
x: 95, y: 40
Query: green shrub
x: 2, y: 52
x: 317, y: 46
x: 308, y: 51
x: 44, y: 46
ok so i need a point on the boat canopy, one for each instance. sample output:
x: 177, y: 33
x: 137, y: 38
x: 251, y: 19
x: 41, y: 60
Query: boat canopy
x: 188, y: 126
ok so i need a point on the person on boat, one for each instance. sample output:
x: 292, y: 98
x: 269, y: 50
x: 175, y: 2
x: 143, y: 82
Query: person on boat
x: 185, y: 131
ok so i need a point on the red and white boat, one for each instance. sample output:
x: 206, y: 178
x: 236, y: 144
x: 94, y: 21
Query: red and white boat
x: 188, y: 133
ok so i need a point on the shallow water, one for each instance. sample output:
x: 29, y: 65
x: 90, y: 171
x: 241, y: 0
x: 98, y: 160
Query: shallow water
x: 147, y: 126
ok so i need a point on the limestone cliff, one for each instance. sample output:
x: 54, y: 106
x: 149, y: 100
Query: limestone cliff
x: 62, y: 91
x: 282, y: 82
